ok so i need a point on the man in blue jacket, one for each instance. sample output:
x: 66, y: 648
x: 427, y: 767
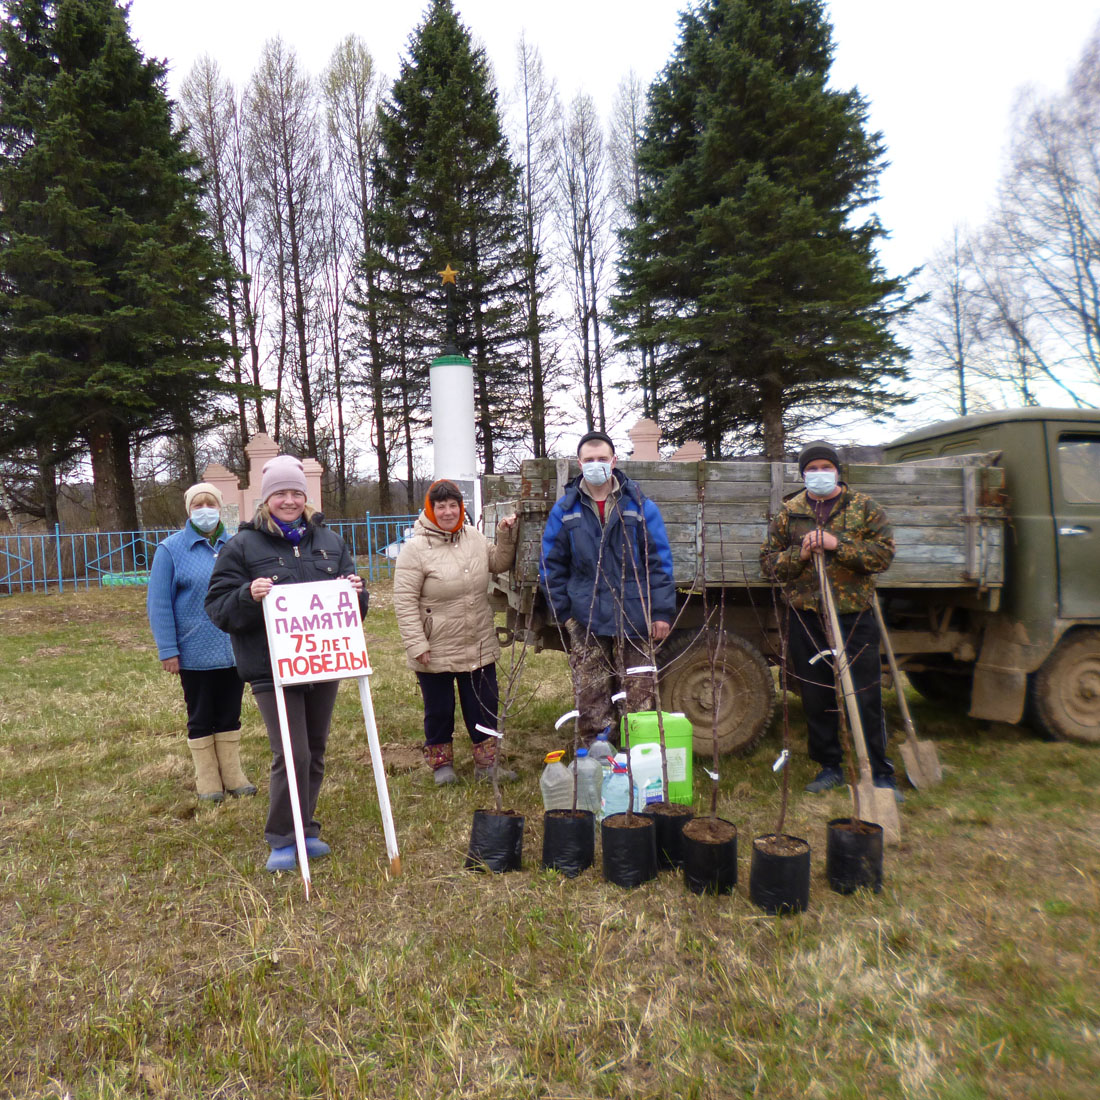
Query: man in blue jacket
x: 606, y: 570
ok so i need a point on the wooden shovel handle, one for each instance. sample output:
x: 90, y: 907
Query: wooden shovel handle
x: 903, y: 706
x: 851, y: 701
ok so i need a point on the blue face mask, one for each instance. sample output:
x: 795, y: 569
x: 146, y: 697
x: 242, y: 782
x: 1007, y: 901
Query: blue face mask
x: 596, y: 473
x: 821, y: 482
x: 205, y: 519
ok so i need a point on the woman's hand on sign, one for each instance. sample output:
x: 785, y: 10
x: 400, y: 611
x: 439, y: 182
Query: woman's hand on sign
x: 260, y: 587
x: 425, y: 658
x: 508, y: 522
x: 171, y: 664
x: 356, y: 581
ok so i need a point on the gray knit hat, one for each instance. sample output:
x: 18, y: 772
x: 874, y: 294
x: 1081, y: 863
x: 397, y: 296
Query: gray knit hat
x: 818, y: 449
x: 283, y: 472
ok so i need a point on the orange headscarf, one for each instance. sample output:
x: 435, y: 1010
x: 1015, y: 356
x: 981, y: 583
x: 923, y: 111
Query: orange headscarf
x: 429, y: 510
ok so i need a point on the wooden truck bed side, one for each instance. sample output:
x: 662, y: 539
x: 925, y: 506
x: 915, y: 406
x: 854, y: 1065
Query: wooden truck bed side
x: 948, y: 521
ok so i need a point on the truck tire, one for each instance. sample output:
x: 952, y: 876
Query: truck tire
x: 1066, y: 689
x: 747, y: 697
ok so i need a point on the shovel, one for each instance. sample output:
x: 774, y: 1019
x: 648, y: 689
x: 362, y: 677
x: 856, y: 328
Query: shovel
x: 876, y: 804
x: 922, y: 762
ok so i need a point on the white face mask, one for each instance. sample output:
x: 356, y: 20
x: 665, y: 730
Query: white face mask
x: 821, y: 482
x: 205, y: 519
x: 596, y: 473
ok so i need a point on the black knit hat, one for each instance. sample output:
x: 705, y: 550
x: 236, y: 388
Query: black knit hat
x: 591, y: 437
x: 818, y: 449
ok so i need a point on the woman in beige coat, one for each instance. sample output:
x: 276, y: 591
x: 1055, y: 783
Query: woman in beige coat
x: 441, y: 596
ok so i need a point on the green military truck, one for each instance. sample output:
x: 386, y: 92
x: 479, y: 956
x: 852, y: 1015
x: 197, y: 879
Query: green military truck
x: 993, y: 599
x: 1036, y: 654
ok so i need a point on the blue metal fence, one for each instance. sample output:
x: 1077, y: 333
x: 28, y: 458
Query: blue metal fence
x: 65, y: 562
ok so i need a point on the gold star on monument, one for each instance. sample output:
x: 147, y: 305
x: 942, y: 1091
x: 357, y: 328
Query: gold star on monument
x: 448, y: 274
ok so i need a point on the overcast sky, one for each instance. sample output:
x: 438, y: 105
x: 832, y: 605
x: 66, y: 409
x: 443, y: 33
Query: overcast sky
x: 940, y: 75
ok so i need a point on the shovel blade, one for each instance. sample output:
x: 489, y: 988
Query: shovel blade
x: 912, y: 761
x: 929, y: 762
x: 922, y: 763
x: 879, y: 805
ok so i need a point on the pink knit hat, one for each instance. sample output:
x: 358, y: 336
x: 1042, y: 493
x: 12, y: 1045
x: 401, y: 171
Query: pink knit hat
x: 283, y: 472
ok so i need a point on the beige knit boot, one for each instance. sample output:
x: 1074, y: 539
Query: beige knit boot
x: 208, y: 779
x: 228, y: 744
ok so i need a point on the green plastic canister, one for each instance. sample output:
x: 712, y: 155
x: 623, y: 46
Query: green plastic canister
x: 640, y: 728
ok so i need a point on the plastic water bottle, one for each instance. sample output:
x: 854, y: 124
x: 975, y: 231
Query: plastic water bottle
x: 589, y: 774
x: 556, y: 783
x: 602, y: 751
x: 616, y: 788
x: 645, y: 769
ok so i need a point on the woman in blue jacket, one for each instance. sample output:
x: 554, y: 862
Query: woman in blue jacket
x: 190, y: 646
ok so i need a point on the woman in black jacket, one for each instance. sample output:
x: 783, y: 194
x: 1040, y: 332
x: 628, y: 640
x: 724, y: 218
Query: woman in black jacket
x: 286, y: 543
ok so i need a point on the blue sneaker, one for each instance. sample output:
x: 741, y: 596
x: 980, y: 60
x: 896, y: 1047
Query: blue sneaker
x: 826, y: 780
x: 282, y: 859
x: 316, y: 847
x: 888, y: 783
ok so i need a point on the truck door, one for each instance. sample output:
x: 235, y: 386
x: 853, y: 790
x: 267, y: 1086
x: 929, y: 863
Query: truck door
x: 1075, y: 493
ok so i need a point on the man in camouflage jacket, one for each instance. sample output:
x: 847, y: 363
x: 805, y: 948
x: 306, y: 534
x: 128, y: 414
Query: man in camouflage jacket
x: 853, y: 533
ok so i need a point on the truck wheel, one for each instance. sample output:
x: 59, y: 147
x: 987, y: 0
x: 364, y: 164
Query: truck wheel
x: 1066, y: 689
x: 747, y: 696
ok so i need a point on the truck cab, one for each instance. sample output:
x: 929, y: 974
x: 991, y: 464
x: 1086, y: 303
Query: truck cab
x: 1040, y: 650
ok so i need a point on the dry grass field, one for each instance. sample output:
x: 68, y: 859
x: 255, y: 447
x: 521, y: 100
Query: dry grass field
x: 144, y: 951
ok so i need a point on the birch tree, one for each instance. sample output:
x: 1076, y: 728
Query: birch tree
x: 1045, y: 240
x: 350, y: 88
x: 284, y: 147
x: 583, y: 214
x: 623, y: 144
x: 537, y: 155
x: 208, y: 109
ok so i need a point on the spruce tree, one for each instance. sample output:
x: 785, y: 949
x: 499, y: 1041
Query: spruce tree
x: 752, y: 263
x: 447, y: 193
x: 107, y: 278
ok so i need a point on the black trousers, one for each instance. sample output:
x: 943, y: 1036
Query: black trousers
x: 477, y: 695
x: 815, y: 684
x: 309, y: 715
x: 213, y: 698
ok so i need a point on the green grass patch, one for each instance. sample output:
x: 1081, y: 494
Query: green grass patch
x: 145, y: 952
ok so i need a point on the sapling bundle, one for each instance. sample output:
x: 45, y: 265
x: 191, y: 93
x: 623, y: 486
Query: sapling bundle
x: 714, y: 643
x: 650, y: 649
x: 785, y: 754
x: 496, y: 837
x: 509, y: 702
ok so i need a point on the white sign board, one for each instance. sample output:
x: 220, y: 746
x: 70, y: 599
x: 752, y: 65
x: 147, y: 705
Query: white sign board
x: 314, y: 632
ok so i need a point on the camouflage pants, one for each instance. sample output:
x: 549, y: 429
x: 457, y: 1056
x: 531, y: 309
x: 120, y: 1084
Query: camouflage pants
x: 598, y: 664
